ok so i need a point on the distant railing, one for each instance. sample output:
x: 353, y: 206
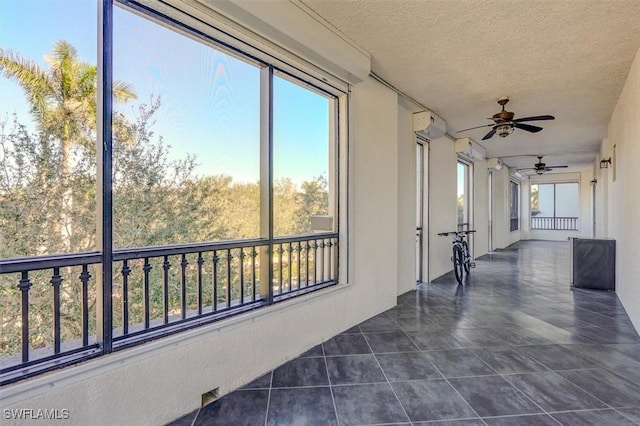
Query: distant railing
x: 554, y: 223
x: 515, y: 224
x: 156, y: 291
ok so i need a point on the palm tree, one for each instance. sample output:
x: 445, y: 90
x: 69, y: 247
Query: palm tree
x: 63, y: 101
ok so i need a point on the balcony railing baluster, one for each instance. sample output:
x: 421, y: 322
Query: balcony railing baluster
x: 165, y: 289
x: 254, y: 254
x: 299, y: 264
x: 56, y: 281
x: 85, y: 276
x: 289, y: 278
x: 145, y: 296
x: 200, y: 263
x: 554, y: 223
x: 241, y: 275
x: 126, y: 270
x: 136, y: 266
x: 229, y: 296
x: 183, y: 286
x: 24, y: 286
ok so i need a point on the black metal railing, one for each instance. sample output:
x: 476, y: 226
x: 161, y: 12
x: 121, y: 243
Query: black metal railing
x: 156, y: 291
x: 554, y: 223
x: 515, y: 224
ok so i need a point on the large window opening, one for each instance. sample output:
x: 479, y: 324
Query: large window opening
x: 215, y: 193
x: 555, y: 206
x: 514, y: 206
x: 463, y: 206
x: 48, y: 104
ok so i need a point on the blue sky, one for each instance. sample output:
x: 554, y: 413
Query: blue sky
x: 210, y: 104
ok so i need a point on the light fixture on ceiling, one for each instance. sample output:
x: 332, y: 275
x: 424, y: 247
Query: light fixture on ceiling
x: 604, y: 164
x: 504, y: 130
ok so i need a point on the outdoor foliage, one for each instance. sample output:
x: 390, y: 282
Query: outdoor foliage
x: 48, y: 191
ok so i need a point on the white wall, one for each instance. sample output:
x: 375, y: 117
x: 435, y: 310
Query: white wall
x: 480, y: 208
x: 502, y: 236
x: 159, y: 381
x: 406, y: 279
x: 442, y: 204
x: 621, y: 196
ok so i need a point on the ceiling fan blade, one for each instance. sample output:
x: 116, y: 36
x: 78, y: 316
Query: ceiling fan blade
x: 557, y: 167
x: 535, y: 118
x: 528, y: 127
x: 477, y: 127
x: 490, y: 134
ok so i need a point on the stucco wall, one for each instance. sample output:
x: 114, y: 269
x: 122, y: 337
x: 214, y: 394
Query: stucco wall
x: 623, y: 203
x: 501, y: 219
x: 159, y: 381
x: 480, y: 208
x: 442, y: 205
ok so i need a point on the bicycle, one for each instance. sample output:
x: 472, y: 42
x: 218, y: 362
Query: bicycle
x: 461, y: 258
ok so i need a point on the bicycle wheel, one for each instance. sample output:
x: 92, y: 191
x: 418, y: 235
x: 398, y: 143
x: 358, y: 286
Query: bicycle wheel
x: 457, y: 264
x: 466, y: 257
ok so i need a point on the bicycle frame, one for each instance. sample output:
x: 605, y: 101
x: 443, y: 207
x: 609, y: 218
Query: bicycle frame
x: 461, y: 257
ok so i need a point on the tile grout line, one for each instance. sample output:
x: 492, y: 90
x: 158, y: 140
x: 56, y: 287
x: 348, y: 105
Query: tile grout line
x: 333, y: 398
x: 387, y: 379
x: 266, y: 413
x: 193, y: 422
x: 454, y: 389
x: 586, y: 391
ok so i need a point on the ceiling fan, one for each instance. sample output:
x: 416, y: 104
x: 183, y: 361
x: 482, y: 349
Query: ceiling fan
x: 541, y: 167
x: 504, y: 124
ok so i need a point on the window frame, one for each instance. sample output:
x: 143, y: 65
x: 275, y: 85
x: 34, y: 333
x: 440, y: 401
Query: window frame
x: 555, y: 222
x: 514, y: 205
x: 271, y: 59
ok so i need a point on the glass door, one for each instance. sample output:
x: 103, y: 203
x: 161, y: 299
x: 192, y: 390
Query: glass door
x: 422, y: 199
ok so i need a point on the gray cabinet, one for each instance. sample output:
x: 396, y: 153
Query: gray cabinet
x: 593, y: 263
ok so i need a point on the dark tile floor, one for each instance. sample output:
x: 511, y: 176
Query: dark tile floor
x: 514, y: 346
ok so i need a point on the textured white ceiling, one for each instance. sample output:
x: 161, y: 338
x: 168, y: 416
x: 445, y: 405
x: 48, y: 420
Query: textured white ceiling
x: 567, y: 58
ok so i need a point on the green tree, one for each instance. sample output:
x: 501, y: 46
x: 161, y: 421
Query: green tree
x: 63, y: 102
x: 313, y: 200
x: 62, y: 98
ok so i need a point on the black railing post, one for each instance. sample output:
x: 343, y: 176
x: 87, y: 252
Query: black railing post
x: 126, y: 270
x: 183, y: 286
x: 84, y: 277
x: 56, y: 281
x: 214, y: 278
x: 200, y: 263
x: 165, y: 289
x: 145, y: 291
x: 24, y: 285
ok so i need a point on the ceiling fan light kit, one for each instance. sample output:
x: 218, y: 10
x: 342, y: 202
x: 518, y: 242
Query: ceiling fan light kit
x: 504, y: 124
x: 540, y: 168
x: 504, y: 130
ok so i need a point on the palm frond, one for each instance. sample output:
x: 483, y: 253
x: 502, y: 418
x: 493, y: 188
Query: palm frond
x: 122, y: 92
x: 28, y: 74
